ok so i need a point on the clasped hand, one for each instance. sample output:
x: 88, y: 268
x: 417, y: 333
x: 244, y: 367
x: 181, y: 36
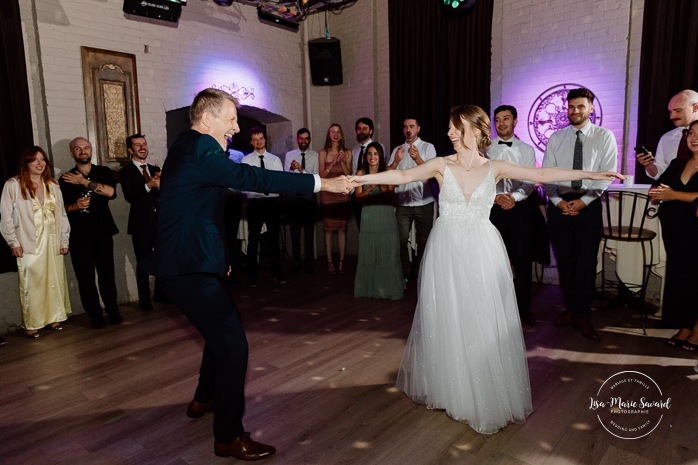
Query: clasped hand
x: 661, y: 192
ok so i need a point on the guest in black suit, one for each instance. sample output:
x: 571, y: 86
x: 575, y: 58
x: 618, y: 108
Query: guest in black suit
x: 190, y: 258
x: 140, y: 182
x: 87, y: 190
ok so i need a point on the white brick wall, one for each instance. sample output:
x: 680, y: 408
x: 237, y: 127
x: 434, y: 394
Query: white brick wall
x: 538, y: 44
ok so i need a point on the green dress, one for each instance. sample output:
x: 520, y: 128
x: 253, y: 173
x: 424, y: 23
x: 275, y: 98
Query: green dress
x: 379, y: 272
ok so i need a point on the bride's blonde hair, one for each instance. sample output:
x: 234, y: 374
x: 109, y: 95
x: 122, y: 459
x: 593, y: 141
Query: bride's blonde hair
x: 478, y: 119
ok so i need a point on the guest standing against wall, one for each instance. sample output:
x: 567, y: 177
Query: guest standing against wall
x: 87, y: 190
x: 35, y: 226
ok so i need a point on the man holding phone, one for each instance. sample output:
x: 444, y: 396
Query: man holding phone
x: 683, y: 110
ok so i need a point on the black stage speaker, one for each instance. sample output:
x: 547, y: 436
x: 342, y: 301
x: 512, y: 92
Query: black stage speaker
x: 325, y: 61
x: 165, y: 10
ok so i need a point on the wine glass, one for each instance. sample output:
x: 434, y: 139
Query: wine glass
x: 86, y: 195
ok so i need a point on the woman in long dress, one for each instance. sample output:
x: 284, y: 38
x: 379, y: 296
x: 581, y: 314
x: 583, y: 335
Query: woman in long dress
x: 36, y: 227
x: 465, y: 352
x: 677, y: 188
x: 335, y: 160
x: 379, y: 272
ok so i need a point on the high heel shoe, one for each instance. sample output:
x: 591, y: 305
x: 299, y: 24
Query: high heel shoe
x: 341, y: 267
x: 56, y: 327
x: 31, y: 334
x: 330, y: 268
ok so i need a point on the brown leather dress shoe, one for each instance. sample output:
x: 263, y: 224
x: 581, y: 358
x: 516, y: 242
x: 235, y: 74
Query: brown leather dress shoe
x: 564, y: 318
x: 199, y: 409
x: 584, y: 326
x: 243, y: 448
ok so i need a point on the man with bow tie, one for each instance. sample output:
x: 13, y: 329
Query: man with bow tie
x: 140, y: 182
x: 511, y: 213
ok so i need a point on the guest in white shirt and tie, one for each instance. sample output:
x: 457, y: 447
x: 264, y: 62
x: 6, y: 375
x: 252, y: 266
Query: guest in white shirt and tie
x: 574, y: 211
x: 302, y: 210
x: 511, y: 213
x: 263, y: 209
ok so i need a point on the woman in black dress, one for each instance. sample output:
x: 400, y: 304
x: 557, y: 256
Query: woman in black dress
x: 677, y: 188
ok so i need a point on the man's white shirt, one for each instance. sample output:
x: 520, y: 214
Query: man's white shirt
x: 520, y: 153
x: 417, y: 193
x: 312, y: 165
x: 600, y: 154
x: 667, y: 148
x: 271, y: 162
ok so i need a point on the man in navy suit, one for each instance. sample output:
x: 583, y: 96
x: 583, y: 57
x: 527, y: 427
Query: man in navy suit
x: 190, y: 261
x: 140, y: 182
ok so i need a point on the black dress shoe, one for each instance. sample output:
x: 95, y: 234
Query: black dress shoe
x: 243, y: 448
x: 527, y: 318
x: 199, y: 409
x: 115, y: 318
x: 2, y: 341
x: 98, y: 323
x: 584, y: 326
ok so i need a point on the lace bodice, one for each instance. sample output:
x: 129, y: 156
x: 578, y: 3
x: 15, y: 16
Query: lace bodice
x: 454, y: 205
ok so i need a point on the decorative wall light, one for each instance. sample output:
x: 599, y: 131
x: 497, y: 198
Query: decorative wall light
x: 240, y: 93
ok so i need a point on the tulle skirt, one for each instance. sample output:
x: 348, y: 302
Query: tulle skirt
x: 465, y: 352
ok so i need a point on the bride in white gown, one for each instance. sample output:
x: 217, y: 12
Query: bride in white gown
x: 466, y: 351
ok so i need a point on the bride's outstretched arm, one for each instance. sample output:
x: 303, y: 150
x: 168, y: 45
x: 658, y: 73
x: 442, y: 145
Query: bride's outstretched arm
x: 505, y: 169
x: 427, y: 170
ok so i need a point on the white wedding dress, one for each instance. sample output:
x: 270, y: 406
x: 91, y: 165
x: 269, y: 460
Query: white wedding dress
x: 466, y: 352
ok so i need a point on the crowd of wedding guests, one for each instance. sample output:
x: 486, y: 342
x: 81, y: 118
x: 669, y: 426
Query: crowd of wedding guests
x: 44, y: 219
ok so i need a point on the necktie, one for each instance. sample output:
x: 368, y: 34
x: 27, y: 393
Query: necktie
x: 303, y: 160
x: 578, y: 162
x: 508, y: 144
x: 146, y: 175
x: 360, y: 161
x: 684, y: 153
x: 261, y: 165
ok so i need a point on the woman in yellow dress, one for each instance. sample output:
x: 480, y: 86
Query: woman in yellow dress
x: 34, y: 224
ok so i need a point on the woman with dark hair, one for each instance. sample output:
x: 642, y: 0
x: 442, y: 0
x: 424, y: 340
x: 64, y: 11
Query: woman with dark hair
x: 677, y: 188
x: 378, y: 273
x: 466, y: 351
x: 335, y: 160
x: 35, y: 226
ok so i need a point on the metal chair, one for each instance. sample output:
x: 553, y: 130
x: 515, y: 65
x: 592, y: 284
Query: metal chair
x: 624, y: 215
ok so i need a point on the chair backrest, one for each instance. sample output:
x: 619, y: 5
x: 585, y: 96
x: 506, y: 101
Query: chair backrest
x: 624, y: 214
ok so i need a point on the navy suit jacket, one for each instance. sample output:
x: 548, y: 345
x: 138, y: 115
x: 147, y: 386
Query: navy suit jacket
x: 193, y: 186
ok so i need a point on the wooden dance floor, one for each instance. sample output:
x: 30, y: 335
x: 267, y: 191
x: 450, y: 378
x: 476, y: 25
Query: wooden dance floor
x: 320, y: 388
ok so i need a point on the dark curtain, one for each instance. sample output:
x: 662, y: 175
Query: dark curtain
x: 437, y: 60
x: 15, y: 117
x: 668, y: 65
